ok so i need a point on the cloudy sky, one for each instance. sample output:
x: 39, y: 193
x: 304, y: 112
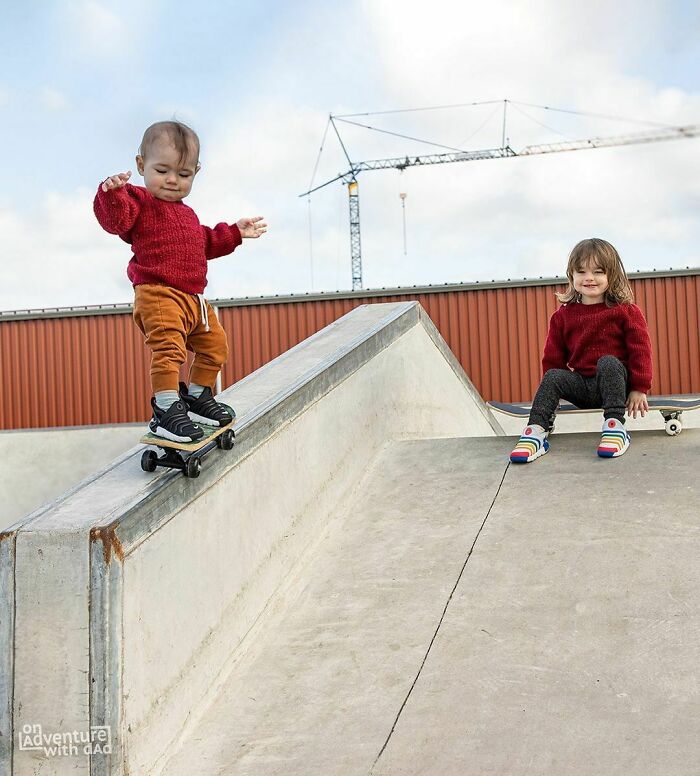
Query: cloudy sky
x: 81, y: 79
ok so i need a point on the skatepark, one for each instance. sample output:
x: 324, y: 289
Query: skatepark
x: 363, y: 585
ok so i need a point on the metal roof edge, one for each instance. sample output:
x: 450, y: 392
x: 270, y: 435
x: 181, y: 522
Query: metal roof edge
x: 477, y: 285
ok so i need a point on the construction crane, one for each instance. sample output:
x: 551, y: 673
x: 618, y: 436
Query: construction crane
x: 456, y: 155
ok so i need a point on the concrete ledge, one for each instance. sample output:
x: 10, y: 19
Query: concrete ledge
x: 75, y: 453
x: 131, y: 592
x: 7, y: 639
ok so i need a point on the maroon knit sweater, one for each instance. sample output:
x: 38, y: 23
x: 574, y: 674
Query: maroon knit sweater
x: 170, y: 246
x: 579, y: 334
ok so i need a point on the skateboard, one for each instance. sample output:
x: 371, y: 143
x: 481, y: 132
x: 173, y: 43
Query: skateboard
x: 670, y: 409
x: 190, y: 465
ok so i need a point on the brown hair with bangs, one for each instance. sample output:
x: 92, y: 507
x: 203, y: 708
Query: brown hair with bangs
x: 180, y: 135
x: 604, y: 256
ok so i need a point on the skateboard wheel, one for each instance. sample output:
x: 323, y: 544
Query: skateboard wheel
x: 226, y: 440
x: 673, y: 427
x: 148, y: 460
x: 193, y: 467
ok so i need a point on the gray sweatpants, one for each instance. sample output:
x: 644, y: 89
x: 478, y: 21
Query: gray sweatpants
x: 608, y: 389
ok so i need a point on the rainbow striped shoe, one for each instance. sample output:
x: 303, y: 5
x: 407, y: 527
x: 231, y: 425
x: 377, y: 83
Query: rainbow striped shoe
x: 615, y: 439
x: 532, y: 444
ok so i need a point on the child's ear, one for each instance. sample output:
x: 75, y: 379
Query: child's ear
x: 139, y: 164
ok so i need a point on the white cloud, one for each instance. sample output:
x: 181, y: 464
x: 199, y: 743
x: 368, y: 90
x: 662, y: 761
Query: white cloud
x: 57, y: 255
x: 53, y: 99
x: 475, y: 220
x: 520, y: 217
x: 95, y: 30
x: 257, y: 164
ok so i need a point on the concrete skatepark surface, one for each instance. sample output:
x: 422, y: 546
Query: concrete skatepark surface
x: 466, y: 616
x: 363, y: 592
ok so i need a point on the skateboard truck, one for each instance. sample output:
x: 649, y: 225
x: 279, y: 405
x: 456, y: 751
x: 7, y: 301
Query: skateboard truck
x: 191, y: 465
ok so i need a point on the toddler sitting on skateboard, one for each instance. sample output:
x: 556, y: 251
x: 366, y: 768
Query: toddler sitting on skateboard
x: 168, y: 270
x: 597, y: 353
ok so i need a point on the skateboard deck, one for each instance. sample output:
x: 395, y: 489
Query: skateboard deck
x: 214, y: 436
x: 670, y: 408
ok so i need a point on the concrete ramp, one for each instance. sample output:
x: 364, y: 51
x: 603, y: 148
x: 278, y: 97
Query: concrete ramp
x: 364, y: 585
x: 464, y: 616
x: 123, y: 603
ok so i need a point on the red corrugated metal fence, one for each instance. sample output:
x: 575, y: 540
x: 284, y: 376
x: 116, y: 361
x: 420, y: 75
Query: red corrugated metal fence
x: 81, y: 369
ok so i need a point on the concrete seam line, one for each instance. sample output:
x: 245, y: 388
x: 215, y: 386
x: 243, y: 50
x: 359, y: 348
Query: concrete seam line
x: 442, y: 617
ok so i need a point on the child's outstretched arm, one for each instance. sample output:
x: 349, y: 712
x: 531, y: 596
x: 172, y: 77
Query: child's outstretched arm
x: 224, y: 239
x: 252, y: 227
x: 116, y: 206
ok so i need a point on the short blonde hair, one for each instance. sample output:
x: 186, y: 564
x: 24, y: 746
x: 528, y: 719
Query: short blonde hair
x: 184, y: 139
x: 604, y: 256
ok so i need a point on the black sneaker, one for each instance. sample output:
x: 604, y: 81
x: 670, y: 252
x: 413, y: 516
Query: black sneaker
x: 205, y: 409
x: 174, y: 423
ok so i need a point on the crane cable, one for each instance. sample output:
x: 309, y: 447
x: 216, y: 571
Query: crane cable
x: 513, y: 102
x: 308, y: 199
x: 481, y: 126
x: 396, y: 134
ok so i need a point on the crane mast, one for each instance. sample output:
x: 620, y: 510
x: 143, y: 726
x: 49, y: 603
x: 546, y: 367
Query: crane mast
x: 355, y: 247
x: 504, y: 152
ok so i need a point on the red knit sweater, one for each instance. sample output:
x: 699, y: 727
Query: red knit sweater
x: 170, y: 246
x: 579, y: 334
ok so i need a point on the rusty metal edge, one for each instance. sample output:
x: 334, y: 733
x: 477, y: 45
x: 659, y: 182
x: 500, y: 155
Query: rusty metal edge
x: 106, y: 644
x: 7, y: 651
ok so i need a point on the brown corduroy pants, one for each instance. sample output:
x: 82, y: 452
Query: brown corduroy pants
x: 171, y: 322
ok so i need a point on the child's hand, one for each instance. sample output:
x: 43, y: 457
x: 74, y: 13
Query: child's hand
x: 637, y: 402
x: 252, y: 227
x: 116, y: 181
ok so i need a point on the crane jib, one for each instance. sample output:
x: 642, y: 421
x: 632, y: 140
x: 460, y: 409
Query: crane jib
x: 503, y: 152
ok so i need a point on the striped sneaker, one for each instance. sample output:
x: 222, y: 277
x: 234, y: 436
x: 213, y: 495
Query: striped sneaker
x: 532, y: 444
x: 615, y: 439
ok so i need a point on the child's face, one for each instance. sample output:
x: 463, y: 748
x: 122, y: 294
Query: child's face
x: 591, y: 282
x: 165, y: 176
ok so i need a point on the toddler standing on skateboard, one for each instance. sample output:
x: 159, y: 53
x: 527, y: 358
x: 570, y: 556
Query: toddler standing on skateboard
x: 169, y: 273
x: 597, y: 353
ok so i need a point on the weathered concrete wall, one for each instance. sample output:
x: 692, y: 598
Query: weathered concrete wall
x: 40, y: 465
x: 129, y: 596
